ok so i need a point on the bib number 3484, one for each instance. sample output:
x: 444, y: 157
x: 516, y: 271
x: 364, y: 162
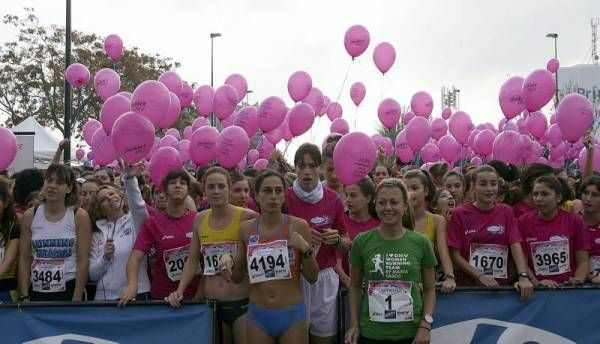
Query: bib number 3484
x: 48, y: 275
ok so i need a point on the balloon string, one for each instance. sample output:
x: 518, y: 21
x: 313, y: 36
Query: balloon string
x: 355, y: 117
x: 287, y: 145
x: 344, y: 82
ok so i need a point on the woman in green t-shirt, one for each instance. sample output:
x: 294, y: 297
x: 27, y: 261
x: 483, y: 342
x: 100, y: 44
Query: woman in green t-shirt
x: 388, y: 263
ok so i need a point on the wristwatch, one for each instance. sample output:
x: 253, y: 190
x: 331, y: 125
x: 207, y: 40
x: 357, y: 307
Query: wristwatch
x: 308, y: 253
x: 23, y: 298
x: 451, y: 276
x: 524, y: 275
x: 428, y: 319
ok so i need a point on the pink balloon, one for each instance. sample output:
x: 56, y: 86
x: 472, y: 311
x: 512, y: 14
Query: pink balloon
x: 224, y: 101
x: 104, y: 151
x: 315, y: 98
x: 538, y: 89
x: 418, y: 133
x: 114, y: 107
x: 460, y: 126
x: 247, y: 119
x: 471, y: 139
x: 168, y: 141
x: 228, y: 122
x: 199, y: 122
x: 89, y: 129
x: 113, y: 46
x: 422, y: 104
x: 172, y: 114
x: 163, y: 161
x: 232, y: 145
x: 186, y: 95
x: 439, y: 128
x: 239, y: 83
x: 384, y: 56
x: 430, y: 153
x: 554, y: 135
x: 353, y: 157
x: 275, y: 135
x: 252, y: 156
x: 187, y: 133
x: 389, y: 112
x: 77, y: 75
x: 203, y: 145
x: 173, y: 132
x: 203, y: 100
x: 388, y: 146
x: 299, y: 85
x: 507, y: 147
x: 358, y: 92
x: 447, y: 112
x: 522, y: 126
x: 106, y: 83
x: 184, y: 150
x: 339, y: 126
x: 553, y: 65
x: 172, y: 80
x: 126, y: 94
x: 152, y: 100
x: 403, y: 150
x: 408, y: 116
x: 334, y: 111
x: 596, y: 158
x: 261, y: 164
x: 286, y: 132
x: 356, y: 40
x: 8, y: 142
x: 301, y: 118
x: 558, y: 152
x: 476, y: 161
x: 511, y: 97
x: 574, y: 116
x: 79, y: 154
x: 133, y: 137
x: 323, y: 110
x: 449, y: 148
x: 484, y: 142
x: 265, y: 148
x: 537, y: 124
x: 271, y: 113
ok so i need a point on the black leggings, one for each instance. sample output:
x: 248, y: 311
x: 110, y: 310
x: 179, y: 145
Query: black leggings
x: 66, y: 295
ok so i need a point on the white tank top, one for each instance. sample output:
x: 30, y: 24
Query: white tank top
x: 54, y: 251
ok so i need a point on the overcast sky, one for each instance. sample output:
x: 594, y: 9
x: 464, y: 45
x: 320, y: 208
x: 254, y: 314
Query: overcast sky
x: 473, y: 45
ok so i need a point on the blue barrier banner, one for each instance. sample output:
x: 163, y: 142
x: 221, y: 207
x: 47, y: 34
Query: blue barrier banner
x: 106, y: 325
x: 551, y: 317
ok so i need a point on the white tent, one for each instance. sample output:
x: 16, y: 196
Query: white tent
x: 44, y: 144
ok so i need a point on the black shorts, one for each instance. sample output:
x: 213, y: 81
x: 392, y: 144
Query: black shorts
x: 229, y: 311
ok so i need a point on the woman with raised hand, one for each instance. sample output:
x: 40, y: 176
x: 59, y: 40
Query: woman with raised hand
x: 456, y: 184
x: 114, y: 233
x: 443, y: 204
x: 421, y: 191
x: 590, y: 196
x: 483, y: 236
x: 557, y: 242
x: 169, y: 233
x: 216, y: 232
x: 54, y: 245
x: 387, y: 265
x: 275, y: 249
x: 9, y: 245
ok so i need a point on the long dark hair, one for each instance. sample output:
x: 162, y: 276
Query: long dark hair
x: 367, y: 188
x: 8, y: 219
x: 65, y: 175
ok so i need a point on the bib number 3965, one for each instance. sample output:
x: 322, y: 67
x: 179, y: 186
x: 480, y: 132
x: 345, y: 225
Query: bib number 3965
x: 268, y: 262
x: 390, y: 301
x: 551, y: 257
x: 48, y: 275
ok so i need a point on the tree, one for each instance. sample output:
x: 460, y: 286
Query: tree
x: 32, y: 71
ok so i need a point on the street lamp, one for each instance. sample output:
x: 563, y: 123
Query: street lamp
x: 248, y: 93
x: 212, y: 37
x: 555, y: 37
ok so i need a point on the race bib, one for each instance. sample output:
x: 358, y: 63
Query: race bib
x: 390, y: 301
x: 212, y: 253
x: 595, y: 263
x: 175, y: 261
x: 491, y: 260
x: 551, y: 257
x: 268, y: 262
x: 48, y: 275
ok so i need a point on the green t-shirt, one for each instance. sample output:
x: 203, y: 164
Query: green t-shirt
x: 396, y: 260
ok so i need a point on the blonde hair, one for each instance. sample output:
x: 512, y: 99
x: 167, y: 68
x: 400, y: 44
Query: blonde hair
x: 408, y: 220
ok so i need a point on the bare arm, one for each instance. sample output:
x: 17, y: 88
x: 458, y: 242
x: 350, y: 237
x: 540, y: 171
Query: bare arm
x: 583, y: 265
x: 191, y: 264
x: 84, y: 238
x: 137, y: 206
x: 588, y: 169
x: 310, y: 268
x: 64, y: 144
x: 354, y: 298
x: 133, y: 266
x: 441, y: 241
x: 25, y: 253
x: 10, y: 255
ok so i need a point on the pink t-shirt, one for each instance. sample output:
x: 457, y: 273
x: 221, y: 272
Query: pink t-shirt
x: 550, y: 245
x: 484, y: 239
x: 170, y: 237
x: 522, y: 208
x: 355, y: 228
x: 327, y: 213
x: 594, y: 236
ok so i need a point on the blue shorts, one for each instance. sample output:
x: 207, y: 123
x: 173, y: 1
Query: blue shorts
x: 277, y: 320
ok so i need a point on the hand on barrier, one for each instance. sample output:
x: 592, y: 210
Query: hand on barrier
x: 487, y: 281
x: 448, y: 286
x: 174, y: 299
x: 576, y: 281
x: 423, y: 336
x: 525, y: 287
x: 226, y: 266
x: 352, y: 335
x: 127, y: 295
x: 550, y: 284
